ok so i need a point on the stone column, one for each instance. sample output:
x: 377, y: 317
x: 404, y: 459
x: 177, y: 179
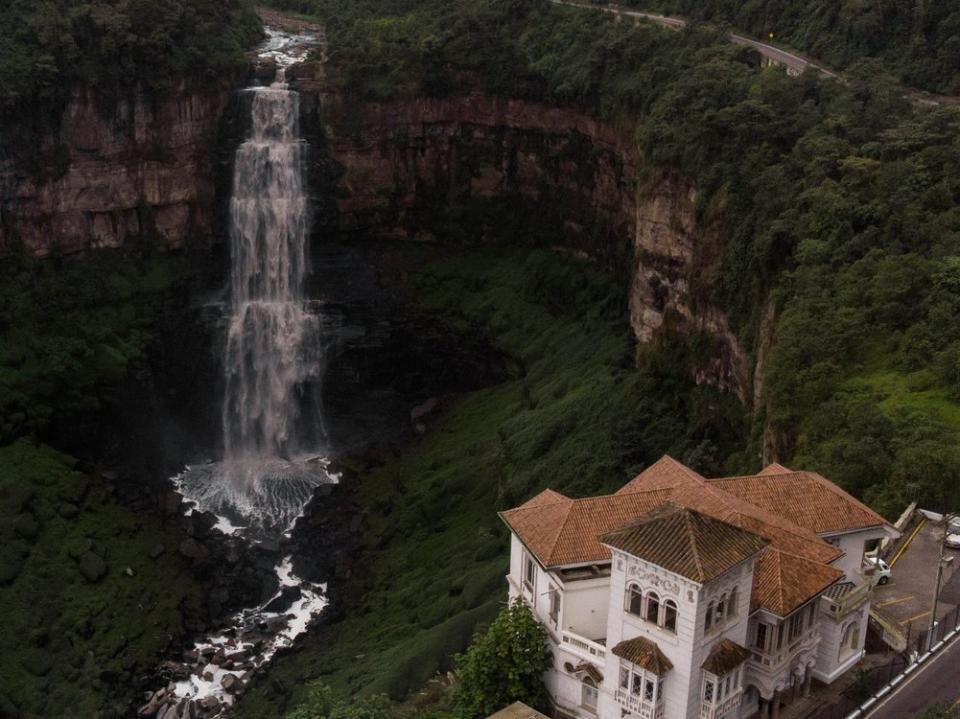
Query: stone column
x: 807, y: 681
x: 764, y: 708
x: 776, y: 705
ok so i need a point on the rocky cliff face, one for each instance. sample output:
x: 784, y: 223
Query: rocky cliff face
x: 111, y: 169
x: 472, y: 168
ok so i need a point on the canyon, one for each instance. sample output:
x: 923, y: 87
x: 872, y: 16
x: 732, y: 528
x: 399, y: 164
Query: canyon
x: 468, y: 169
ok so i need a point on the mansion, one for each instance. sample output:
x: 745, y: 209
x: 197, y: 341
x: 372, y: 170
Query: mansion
x: 680, y: 597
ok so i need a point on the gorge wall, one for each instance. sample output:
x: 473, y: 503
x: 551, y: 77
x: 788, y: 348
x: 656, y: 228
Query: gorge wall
x: 466, y: 169
x: 477, y: 169
x: 111, y: 168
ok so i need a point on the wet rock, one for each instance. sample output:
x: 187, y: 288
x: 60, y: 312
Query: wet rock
x: 265, y: 70
x: 283, y: 601
x: 209, y: 704
x: 155, y: 551
x: 192, y: 549
x: 230, y: 683
x: 129, y: 572
x: 92, y: 567
x: 191, y: 656
x: 199, y: 524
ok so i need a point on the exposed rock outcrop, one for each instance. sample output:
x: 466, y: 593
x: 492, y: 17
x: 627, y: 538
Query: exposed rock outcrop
x: 474, y: 168
x: 109, y: 169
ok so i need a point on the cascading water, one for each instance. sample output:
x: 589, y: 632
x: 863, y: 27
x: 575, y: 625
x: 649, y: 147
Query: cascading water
x: 272, y: 426
x: 273, y: 456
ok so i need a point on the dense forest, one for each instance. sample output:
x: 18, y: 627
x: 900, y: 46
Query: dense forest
x: 48, y: 45
x: 843, y: 198
x: 917, y: 42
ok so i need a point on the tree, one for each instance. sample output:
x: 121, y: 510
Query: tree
x: 320, y: 704
x: 503, y: 665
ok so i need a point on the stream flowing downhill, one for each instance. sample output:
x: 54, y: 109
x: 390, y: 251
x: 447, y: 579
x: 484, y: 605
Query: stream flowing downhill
x: 273, y: 435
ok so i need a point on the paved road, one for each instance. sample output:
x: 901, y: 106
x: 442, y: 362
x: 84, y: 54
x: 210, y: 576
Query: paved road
x: 792, y: 62
x: 935, y: 682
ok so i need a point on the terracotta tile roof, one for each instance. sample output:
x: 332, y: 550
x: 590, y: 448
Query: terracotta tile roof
x: 590, y: 669
x: 782, y: 582
x: 724, y: 657
x: 517, y: 710
x: 568, y: 531
x: 685, y: 542
x: 561, y: 531
x: 805, y: 498
x: 644, y: 653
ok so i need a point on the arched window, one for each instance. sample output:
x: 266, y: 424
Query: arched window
x: 855, y: 639
x: 720, y: 613
x: 670, y: 616
x: 653, y: 608
x: 589, y: 692
x: 635, y: 600
x: 732, y: 603
x: 850, y: 632
x: 709, y: 617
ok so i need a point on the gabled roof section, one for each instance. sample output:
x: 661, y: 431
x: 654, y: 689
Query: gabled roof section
x: 805, y: 498
x: 547, y: 496
x: 665, y: 473
x: 688, y: 488
x: 644, y: 653
x: 775, y: 468
x: 567, y: 531
x: 725, y: 656
x: 685, y: 542
x: 783, y: 582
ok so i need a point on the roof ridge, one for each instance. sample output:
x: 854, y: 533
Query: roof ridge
x: 560, y: 528
x: 840, y: 491
x: 687, y: 517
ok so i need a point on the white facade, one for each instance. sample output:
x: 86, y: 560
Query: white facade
x: 588, y: 610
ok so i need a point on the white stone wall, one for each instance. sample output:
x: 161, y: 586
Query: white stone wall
x: 852, y: 545
x: 830, y: 662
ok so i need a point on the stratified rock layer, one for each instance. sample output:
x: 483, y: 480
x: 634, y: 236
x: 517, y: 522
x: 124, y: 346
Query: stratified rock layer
x: 115, y: 169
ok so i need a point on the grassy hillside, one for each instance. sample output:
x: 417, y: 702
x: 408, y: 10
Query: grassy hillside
x: 85, y: 609
x: 577, y: 416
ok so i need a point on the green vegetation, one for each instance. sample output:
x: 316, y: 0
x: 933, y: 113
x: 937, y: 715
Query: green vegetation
x: 503, y: 665
x: 49, y: 45
x: 841, y: 203
x: 70, y: 331
x: 84, y: 609
x: 577, y: 416
x: 919, y: 42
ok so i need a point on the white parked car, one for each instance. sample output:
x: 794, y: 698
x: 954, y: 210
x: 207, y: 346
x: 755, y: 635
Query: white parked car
x: 881, y: 570
x: 952, y: 539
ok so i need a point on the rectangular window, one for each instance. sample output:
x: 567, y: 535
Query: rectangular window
x: 708, y: 691
x: 726, y: 687
x: 780, y: 636
x: 796, y: 625
x: 760, y: 642
x: 554, y: 605
x: 624, y: 678
x: 637, y: 684
x: 529, y: 571
x: 660, y: 690
x: 648, y: 691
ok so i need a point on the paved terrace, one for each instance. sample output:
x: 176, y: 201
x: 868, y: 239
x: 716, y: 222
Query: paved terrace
x: 907, y: 600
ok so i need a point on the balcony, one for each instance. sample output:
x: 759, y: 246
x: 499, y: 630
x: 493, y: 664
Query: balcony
x: 773, y: 661
x: 585, y: 648
x: 841, y: 599
x: 635, y: 704
x: 709, y: 710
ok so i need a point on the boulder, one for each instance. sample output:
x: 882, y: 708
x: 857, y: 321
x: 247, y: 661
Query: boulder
x: 92, y: 567
x: 192, y: 549
x: 230, y: 683
x: 209, y: 704
x: 155, y: 551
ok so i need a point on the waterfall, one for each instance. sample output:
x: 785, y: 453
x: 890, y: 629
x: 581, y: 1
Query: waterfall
x: 273, y: 354
x: 272, y: 342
